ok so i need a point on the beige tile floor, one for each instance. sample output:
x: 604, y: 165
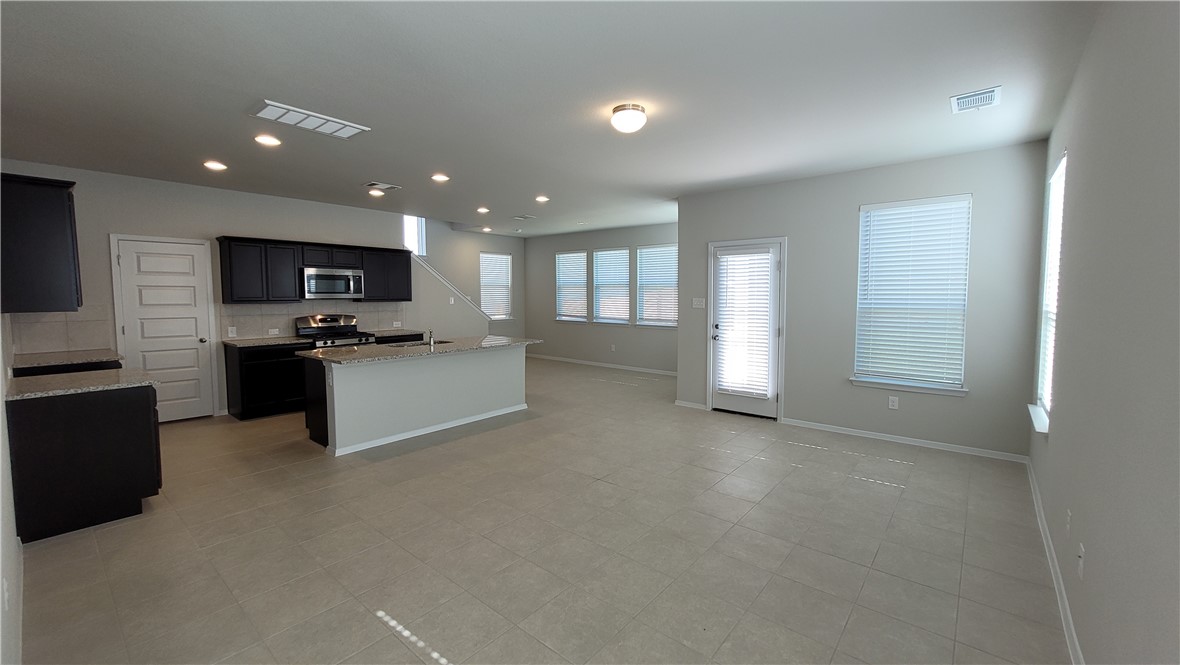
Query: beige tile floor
x: 603, y: 525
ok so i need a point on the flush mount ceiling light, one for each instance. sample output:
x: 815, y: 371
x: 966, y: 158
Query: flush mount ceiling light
x: 542, y: 199
x: 483, y: 210
x: 440, y: 177
x: 309, y: 120
x: 628, y: 118
x: 268, y: 140
x: 214, y: 165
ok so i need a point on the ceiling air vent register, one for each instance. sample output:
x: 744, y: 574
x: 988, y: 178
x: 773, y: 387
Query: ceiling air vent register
x: 309, y: 120
x: 975, y: 100
x: 382, y: 185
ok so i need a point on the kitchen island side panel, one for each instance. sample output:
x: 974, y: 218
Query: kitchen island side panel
x: 370, y: 404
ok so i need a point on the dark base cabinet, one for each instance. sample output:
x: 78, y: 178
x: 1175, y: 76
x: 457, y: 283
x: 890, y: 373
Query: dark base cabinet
x: 82, y: 459
x: 264, y: 380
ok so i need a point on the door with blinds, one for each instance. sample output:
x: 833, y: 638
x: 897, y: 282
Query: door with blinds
x: 744, y: 327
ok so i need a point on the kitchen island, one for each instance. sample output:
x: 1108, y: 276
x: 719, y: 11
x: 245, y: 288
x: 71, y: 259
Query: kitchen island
x: 360, y: 397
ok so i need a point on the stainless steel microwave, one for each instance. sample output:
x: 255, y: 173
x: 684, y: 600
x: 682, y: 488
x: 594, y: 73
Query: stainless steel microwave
x: 333, y: 283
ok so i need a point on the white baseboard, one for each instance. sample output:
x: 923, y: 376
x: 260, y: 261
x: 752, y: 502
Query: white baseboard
x: 1071, y: 635
x: 357, y: 447
x: 691, y: 405
x: 589, y: 362
x: 967, y: 450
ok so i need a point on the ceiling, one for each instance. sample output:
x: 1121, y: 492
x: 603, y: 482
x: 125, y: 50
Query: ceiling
x: 512, y: 100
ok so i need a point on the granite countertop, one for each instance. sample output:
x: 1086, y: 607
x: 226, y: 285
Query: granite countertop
x: 368, y: 353
x: 30, y: 387
x: 23, y: 360
x: 275, y: 340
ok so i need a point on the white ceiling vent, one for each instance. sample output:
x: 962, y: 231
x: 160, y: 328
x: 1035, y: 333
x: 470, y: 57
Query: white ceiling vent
x: 524, y: 217
x: 316, y: 122
x: 382, y: 185
x: 975, y: 100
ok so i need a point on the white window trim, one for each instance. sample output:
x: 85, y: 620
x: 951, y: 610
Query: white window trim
x: 655, y: 323
x: 585, y: 283
x: 905, y: 385
x: 508, y: 315
x: 1039, y: 412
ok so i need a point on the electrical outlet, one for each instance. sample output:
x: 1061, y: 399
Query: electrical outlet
x: 232, y: 332
x: 397, y: 324
x: 272, y: 331
x: 1081, y: 559
x: 893, y: 402
x: 1068, y: 519
x: 452, y: 300
x: 612, y: 347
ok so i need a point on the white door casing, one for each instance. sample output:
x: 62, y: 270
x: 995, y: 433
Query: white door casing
x: 746, y: 326
x: 163, y: 318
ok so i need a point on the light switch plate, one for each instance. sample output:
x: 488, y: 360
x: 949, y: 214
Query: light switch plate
x: 698, y: 303
x: 232, y: 332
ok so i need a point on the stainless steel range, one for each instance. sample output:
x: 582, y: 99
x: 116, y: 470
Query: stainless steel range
x: 332, y: 330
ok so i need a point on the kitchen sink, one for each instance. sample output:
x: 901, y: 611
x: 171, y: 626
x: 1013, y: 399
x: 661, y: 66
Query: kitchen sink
x: 404, y: 344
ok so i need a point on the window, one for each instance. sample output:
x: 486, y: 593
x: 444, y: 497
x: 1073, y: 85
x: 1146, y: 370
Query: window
x: 911, y: 302
x: 655, y: 288
x: 612, y: 286
x: 571, y: 286
x: 1055, y: 214
x: 414, y: 234
x: 495, y: 285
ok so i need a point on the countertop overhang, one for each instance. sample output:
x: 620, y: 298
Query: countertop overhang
x: 275, y: 340
x: 48, y: 359
x: 369, y: 353
x: 52, y: 385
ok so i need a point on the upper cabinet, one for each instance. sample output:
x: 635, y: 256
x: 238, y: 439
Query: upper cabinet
x: 38, y: 246
x: 387, y: 274
x: 262, y: 270
x: 259, y: 270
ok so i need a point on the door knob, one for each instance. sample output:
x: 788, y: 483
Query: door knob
x: 202, y: 340
x: 716, y: 337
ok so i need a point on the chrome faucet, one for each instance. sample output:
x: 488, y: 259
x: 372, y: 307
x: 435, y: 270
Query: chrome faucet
x: 431, y: 334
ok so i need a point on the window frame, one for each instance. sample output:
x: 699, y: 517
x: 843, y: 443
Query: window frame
x: 639, y: 287
x: 1055, y: 189
x: 420, y: 233
x: 585, y: 284
x: 930, y: 384
x: 507, y: 316
x: 595, y: 285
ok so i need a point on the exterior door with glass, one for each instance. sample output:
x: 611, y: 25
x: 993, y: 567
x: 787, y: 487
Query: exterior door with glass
x: 745, y: 328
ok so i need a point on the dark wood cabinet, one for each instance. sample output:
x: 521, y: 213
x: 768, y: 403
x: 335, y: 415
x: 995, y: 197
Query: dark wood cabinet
x: 328, y: 256
x: 259, y: 271
x: 38, y: 246
x: 264, y: 380
x: 387, y: 275
x: 82, y: 459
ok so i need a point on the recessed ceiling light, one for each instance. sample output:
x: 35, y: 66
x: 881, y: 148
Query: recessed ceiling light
x: 268, y: 140
x: 487, y: 229
x: 483, y: 210
x: 214, y: 165
x: 542, y: 198
x: 376, y: 192
x: 628, y: 118
x: 581, y: 223
x: 440, y: 177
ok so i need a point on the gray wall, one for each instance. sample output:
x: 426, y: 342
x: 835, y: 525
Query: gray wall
x: 455, y: 255
x: 1112, y: 453
x: 819, y: 217
x: 644, y: 347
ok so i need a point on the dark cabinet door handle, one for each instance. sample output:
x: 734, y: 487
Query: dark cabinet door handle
x: 202, y: 340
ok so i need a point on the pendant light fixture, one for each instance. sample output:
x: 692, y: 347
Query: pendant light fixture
x: 628, y: 118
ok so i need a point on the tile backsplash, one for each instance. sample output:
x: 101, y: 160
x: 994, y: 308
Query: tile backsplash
x: 94, y: 327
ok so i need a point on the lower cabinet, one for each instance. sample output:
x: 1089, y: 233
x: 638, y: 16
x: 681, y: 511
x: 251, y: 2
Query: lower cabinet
x: 82, y: 459
x: 264, y: 380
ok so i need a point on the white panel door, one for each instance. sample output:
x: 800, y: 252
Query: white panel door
x: 165, y: 322
x: 745, y: 328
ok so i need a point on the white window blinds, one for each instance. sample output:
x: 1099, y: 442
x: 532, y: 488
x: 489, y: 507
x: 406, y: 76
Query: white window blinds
x: 612, y: 286
x: 571, y: 286
x: 1056, y: 214
x: 744, y: 320
x: 495, y: 284
x: 656, y: 285
x: 911, y: 306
